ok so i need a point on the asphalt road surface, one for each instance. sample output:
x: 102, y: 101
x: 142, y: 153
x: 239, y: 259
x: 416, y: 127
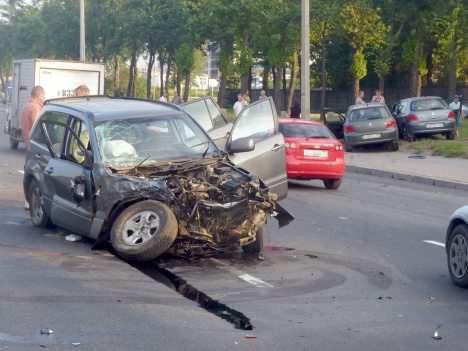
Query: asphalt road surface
x: 360, y: 268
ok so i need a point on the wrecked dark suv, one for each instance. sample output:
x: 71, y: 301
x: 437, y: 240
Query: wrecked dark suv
x: 146, y: 176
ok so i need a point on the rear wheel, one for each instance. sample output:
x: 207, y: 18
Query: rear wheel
x: 450, y: 135
x: 39, y: 217
x: 144, y: 231
x: 332, y: 183
x: 406, y: 135
x: 348, y: 147
x: 13, y: 143
x: 395, y: 146
x: 257, y: 245
x: 457, y: 255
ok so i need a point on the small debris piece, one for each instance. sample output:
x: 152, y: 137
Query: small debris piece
x: 436, y: 334
x: 76, y: 343
x: 381, y: 273
x: 417, y: 156
x: 250, y: 336
x: 235, y: 342
x: 73, y: 237
x: 380, y: 298
x: 46, y: 331
x: 431, y: 299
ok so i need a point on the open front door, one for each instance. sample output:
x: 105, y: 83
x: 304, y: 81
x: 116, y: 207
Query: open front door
x: 268, y: 159
x: 334, y: 121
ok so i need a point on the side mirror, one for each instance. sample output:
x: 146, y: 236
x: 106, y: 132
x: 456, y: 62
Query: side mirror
x: 241, y: 145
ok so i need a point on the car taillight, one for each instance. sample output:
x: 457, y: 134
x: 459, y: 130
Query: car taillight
x: 391, y: 124
x: 451, y: 114
x: 290, y: 145
x: 412, y: 117
x: 349, y: 129
x: 339, y: 147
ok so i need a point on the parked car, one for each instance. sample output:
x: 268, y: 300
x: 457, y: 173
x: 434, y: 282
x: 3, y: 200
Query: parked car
x: 146, y: 176
x: 456, y: 246
x: 424, y: 116
x: 364, y: 124
x: 312, y: 152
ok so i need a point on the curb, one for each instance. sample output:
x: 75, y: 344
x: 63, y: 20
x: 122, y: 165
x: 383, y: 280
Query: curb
x: 451, y: 184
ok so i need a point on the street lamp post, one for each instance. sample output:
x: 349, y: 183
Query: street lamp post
x: 82, y: 30
x: 305, y: 61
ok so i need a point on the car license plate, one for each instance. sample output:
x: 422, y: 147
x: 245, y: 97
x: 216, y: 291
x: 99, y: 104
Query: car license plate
x: 316, y: 153
x: 434, y: 125
x: 371, y: 136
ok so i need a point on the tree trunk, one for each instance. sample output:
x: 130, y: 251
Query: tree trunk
x: 452, y: 75
x: 277, y: 90
x: 186, y: 87
x: 177, y: 85
x: 355, y: 88
x: 131, y: 74
x: 243, y: 64
x: 116, y: 72
x: 382, y: 83
x: 222, y: 90
x: 323, y: 95
x: 265, y: 76
x: 292, y: 82
x: 170, y: 57
x: 135, y: 76
x: 284, y: 91
x: 149, y: 74
x: 413, y: 79
x: 161, y: 74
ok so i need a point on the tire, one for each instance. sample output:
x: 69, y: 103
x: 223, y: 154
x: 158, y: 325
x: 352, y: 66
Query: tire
x: 13, y: 143
x: 451, y: 135
x: 332, y: 183
x: 348, y: 147
x: 256, y: 246
x: 406, y: 136
x: 154, y: 220
x: 457, y: 255
x: 39, y: 217
x: 395, y: 146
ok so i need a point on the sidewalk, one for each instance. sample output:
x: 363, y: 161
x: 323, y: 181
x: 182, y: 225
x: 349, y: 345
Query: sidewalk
x: 432, y: 170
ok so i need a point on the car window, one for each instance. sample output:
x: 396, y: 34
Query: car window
x: 305, y: 130
x: 55, y: 132
x: 428, y: 104
x: 368, y: 114
x: 131, y: 142
x: 74, y: 149
x: 206, y: 113
x: 256, y: 121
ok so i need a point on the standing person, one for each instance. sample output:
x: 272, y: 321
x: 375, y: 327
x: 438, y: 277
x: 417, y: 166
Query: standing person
x: 163, y: 97
x: 295, y: 109
x: 29, y: 115
x: 239, y: 105
x: 359, y: 99
x: 247, y: 97
x: 378, y: 97
x: 82, y: 90
x: 457, y: 108
x: 262, y: 95
x: 177, y: 100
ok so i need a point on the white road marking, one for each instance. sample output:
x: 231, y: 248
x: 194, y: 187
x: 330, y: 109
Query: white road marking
x: 434, y: 243
x: 244, y: 276
x: 22, y: 172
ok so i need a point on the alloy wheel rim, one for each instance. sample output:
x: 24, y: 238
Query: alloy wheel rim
x: 140, y: 228
x: 459, y: 256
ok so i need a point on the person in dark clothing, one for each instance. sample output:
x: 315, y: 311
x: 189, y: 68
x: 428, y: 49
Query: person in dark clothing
x: 295, y: 109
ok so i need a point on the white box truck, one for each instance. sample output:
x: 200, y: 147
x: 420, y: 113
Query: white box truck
x: 58, y: 78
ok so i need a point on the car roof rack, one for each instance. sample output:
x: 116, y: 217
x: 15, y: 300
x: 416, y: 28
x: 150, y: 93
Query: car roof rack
x: 72, y: 98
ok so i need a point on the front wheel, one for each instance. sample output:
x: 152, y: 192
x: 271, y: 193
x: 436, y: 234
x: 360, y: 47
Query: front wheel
x: 451, y: 135
x: 406, y: 135
x: 256, y: 246
x: 144, y: 231
x: 39, y: 217
x: 332, y: 183
x: 457, y: 255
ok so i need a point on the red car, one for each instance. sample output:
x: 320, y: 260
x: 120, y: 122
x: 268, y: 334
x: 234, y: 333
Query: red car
x: 312, y: 152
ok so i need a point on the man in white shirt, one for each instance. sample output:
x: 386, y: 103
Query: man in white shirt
x: 163, y: 97
x: 459, y: 114
x: 359, y: 99
x: 239, y: 105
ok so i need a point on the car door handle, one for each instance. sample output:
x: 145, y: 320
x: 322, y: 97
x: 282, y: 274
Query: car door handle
x: 277, y: 147
x: 49, y: 170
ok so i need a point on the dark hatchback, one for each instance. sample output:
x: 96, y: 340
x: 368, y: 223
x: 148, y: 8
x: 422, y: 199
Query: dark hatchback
x: 146, y: 176
x: 424, y: 116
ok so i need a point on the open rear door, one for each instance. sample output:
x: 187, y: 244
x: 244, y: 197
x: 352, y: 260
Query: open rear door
x: 268, y: 160
x: 334, y: 121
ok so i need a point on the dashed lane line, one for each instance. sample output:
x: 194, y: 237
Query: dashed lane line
x: 244, y: 276
x: 434, y: 243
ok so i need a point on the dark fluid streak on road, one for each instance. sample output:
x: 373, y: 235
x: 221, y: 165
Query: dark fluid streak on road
x: 176, y: 283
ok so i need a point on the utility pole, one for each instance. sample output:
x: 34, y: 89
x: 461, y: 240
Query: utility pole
x: 305, y: 58
x: 82, y: 31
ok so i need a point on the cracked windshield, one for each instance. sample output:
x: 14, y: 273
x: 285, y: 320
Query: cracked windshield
x: 129, y: 143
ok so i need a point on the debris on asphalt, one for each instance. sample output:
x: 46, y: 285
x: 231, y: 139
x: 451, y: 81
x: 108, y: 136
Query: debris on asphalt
x: 46, y: 331
x: 76, y: 343
x: 417, y: 156
x: 431, y: 299
x: 436, y: 334
x: 73, y: 237
x: 250, y: 336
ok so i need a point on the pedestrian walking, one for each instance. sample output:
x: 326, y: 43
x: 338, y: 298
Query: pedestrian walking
x: 239, y: 105
x: 295, y: 109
